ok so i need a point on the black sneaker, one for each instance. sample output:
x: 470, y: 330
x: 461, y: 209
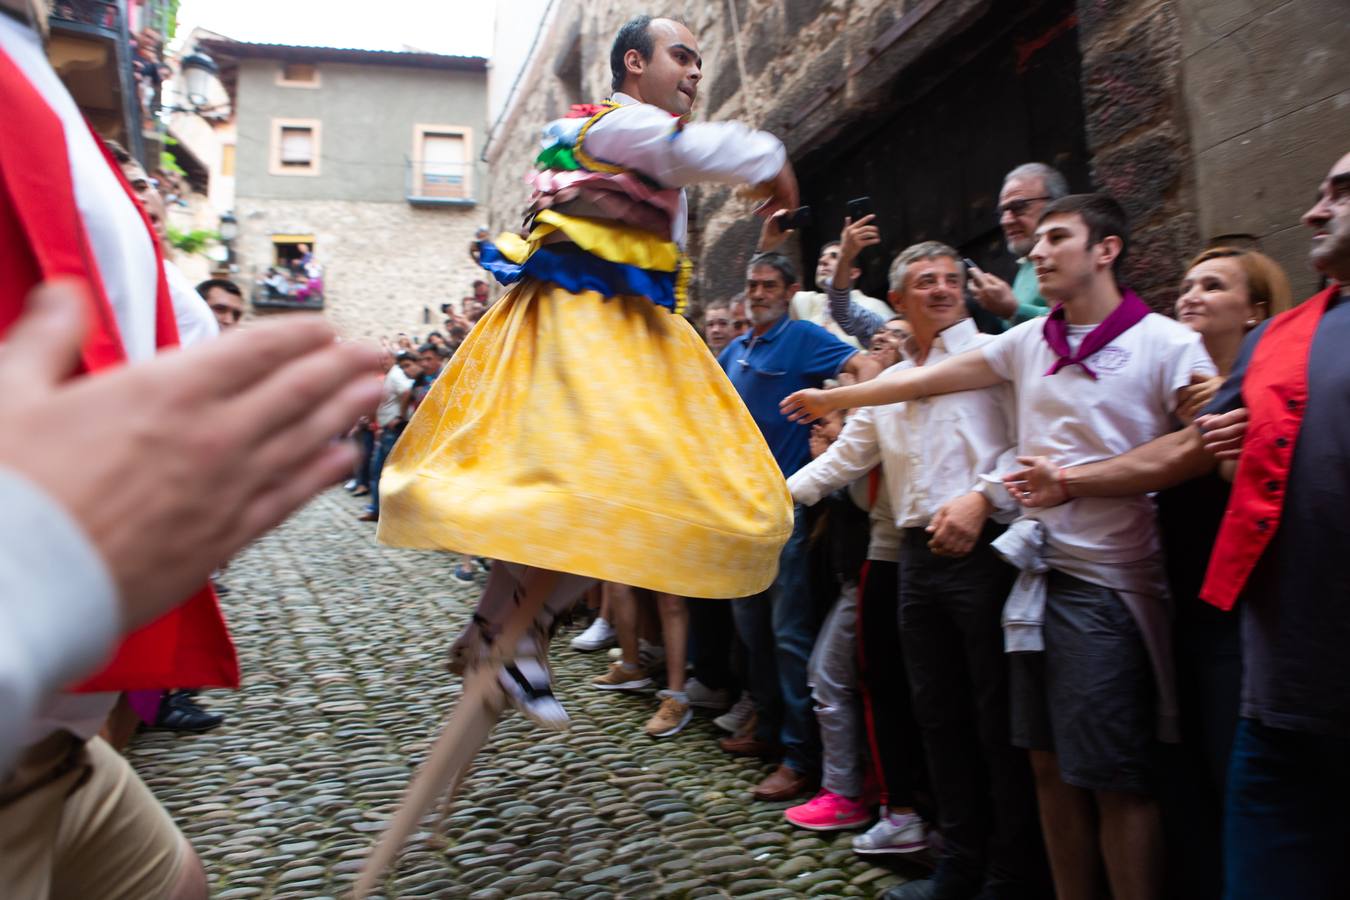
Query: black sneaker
x: 179, y: 712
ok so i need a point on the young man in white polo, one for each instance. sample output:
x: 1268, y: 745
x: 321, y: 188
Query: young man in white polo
x: 1088, y: 619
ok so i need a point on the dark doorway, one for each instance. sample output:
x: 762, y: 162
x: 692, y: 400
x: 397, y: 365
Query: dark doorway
x: 1006, y: 91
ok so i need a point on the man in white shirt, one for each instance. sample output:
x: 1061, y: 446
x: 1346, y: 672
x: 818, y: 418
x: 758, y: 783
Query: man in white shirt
x: 1098, y: 376
x: 389, y: 418
x: 952, y: 583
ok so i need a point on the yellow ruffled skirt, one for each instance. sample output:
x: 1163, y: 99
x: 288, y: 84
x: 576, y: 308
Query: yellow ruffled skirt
x: 594, y: 436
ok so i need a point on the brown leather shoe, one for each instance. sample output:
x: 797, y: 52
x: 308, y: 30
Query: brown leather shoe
x: 747, y: 745
x: 368, y: 517
x: 784, y: 783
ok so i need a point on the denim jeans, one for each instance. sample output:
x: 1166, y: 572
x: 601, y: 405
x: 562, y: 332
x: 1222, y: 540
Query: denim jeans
x: 388, y: 438
x: 365, y: 442
x: 779, y: 629
x: 1286, y: 832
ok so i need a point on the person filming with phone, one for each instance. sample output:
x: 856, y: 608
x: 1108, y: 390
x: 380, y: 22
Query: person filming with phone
x: 1026, y: 191
x: 812, y: 306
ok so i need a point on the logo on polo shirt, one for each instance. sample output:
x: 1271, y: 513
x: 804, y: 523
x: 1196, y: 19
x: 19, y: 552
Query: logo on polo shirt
x: 1109, y: 359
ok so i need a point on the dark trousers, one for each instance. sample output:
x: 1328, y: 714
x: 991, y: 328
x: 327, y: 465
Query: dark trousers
x: 950, y: 627
x: 365, y: 442
x: 1207, y: 646
x: 388, y: 438
x: 1287, y: 832
x: 779, y: 629
x: 892, y: 734
x: 711, y: 635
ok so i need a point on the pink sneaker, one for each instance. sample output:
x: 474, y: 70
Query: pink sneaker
x: 828, y: 811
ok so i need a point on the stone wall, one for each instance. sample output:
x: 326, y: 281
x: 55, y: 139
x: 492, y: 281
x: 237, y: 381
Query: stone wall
x: 1139, y: 136
x: 1268, y: 93
x: 383, y: 262
x: 811, y: 70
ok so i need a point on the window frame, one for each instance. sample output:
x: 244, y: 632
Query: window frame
x: 465, y: 133
x: 283, y: 81
x: 274, y: 164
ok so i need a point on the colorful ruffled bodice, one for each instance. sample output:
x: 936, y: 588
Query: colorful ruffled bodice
x: 593, y: 225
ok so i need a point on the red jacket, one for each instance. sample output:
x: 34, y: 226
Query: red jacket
x: 1275, y: 390
x: 42, y: 236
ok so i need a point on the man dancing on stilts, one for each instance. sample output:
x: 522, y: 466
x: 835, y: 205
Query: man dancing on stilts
x: 583, y: 431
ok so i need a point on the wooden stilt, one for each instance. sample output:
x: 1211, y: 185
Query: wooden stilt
x: 466, y: 730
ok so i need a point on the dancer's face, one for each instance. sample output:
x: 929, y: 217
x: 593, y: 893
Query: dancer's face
x: 670, y: 78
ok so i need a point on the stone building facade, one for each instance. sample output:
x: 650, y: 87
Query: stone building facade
x: 1209, y: 120
x: 371, y: 157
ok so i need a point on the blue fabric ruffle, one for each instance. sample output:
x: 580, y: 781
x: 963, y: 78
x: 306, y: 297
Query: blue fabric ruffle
x: 575, y: 270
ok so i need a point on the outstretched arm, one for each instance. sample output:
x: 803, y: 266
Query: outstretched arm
x: 847, y: 459
x: 651, y: 141
x: 967, y: 371
x: 1161, y: 463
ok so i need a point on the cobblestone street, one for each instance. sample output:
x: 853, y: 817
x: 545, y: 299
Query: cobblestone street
x: 342, y: 647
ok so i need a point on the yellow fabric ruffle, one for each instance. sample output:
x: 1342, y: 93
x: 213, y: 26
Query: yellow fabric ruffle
x: 592, y: 436
x: 629, y: 246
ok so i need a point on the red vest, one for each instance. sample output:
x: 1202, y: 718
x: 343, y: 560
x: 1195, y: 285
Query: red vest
x: 42, y: 236
x: 1275, y: 391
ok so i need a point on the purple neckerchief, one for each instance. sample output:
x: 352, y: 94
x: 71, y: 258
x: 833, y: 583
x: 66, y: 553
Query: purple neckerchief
x: 1122, y: 319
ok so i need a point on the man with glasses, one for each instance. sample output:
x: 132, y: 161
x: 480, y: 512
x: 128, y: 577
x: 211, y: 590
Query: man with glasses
x: 225, y: 299
x: 1026, y: 191
x: 777, y: 356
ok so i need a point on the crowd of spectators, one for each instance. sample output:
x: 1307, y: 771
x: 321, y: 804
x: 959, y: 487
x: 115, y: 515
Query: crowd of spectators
x: 987, y: 637
x: 1001, y: 630
x: 298, y: 280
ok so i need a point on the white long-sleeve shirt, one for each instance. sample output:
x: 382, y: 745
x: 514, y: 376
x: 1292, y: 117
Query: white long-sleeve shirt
x: 59, y: 616
x: 932, y: 450
x: 646, y: 139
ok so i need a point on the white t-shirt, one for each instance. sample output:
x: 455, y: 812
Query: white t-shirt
x: 1072, y: 419
x: 196, y: 322
x: 396, y: 384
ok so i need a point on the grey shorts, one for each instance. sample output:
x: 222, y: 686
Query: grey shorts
x: 1090, y: 697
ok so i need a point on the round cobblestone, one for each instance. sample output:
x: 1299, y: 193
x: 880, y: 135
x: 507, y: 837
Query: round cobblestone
x: 342, y: 646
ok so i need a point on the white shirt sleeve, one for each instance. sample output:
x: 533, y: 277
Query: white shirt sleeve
x: 852, y: 456
x: 196, y: 322
x: 1187, y: 359
x: 59, y: 612
x: 645, y: 138
x: 1001, y: 353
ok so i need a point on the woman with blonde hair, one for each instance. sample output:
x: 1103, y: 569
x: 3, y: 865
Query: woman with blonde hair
x: 1225, y: 293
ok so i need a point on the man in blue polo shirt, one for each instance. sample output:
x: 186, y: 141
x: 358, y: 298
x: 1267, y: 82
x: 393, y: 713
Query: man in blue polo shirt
x: 777, y: 356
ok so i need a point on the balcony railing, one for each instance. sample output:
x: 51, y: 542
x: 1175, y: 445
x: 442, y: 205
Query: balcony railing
x: 438, y: 184
x: 105, y: 22
x: 281, y: 288
x: 99, y: 15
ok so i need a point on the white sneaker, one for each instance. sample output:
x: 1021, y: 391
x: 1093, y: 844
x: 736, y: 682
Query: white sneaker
x: 527, y: 684
x: 893, y: 833
x: 704, y: 697
x: 735, y: 719
x: 597, y: 637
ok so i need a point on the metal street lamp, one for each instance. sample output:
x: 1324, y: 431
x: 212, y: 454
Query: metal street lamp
x: 200, y: 74
x: 228, y: 229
